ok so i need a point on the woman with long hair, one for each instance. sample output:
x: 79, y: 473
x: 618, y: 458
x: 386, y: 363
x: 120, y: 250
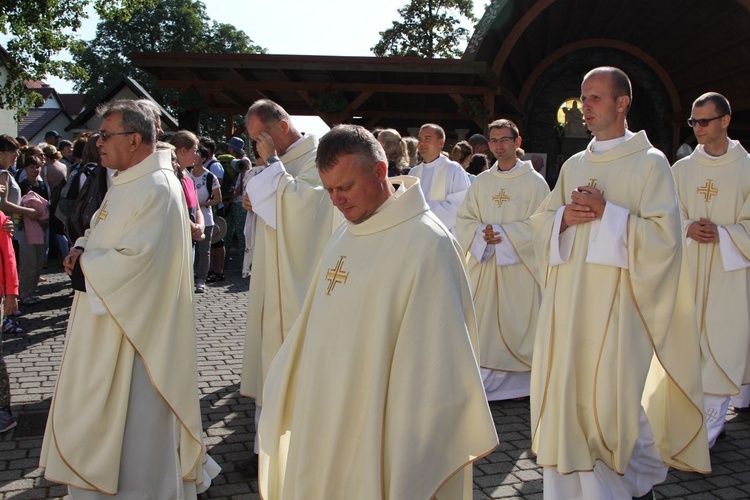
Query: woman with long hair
x: 461, y: 153
x: 209, y: 195
x: 395, y: 151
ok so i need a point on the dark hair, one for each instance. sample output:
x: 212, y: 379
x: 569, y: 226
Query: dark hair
x: 463, y: 148
x: 90, y: 153
x: 204, y: 152
x: 503, y: 123
x: 63, y: 144
x: 344, y: 140
x: 7, y: 143
x: 720, y: 102
x: 620, y: 83
x: 32, y: 160
x: 477, y: 139
x: 79, y: 145
x: 478, y: 164
x: 208, y: 143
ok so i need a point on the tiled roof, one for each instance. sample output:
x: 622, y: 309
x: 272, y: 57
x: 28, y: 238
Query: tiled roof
x: 73, y: 103
x: 36, y: 120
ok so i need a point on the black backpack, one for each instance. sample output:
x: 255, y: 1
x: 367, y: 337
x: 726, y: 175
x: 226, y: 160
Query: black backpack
x: 87, y: 202
x: 69, y: 190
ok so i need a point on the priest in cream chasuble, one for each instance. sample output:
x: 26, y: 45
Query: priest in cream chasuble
x: 505, y: 276
x: 130, y: 348
x: 615, y: 393
x: 714, y: 189
x: 376, y: 392
x: 617, y: 324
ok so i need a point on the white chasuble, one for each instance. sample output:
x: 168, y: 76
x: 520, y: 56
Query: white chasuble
x: 506, y: 297
x: 611, y: 339
x: 444, y: 184
x: 285, y: 256
x: 376, y: 392
x: 718, y: 189
x: 137, y: 261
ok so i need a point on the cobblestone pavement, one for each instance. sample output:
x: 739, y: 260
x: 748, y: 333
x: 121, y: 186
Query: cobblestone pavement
x: 510, y: 472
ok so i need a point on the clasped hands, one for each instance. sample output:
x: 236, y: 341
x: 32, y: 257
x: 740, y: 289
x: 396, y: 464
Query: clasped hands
x: 587, y: 204
x: 703, y: 231
x: 491, y: 237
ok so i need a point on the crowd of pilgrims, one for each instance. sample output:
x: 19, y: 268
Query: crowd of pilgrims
x: 49, y: 190
x: 35, y: 178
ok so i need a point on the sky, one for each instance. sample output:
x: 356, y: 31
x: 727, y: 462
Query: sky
x: 325, y: 27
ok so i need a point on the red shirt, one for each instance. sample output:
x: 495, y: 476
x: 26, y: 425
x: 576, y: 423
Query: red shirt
x: 8, y: 272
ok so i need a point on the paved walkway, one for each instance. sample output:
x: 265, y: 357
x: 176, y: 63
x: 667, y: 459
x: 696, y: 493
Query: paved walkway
x: 510, y: 472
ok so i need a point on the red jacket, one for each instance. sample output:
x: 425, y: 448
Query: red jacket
x: 8, y: 272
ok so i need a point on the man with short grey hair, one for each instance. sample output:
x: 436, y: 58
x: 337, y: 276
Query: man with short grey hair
x: 294, y: 219
x: 125, y: 417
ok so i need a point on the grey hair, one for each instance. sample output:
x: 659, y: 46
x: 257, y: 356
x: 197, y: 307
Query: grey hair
x: 268, y: 112
x: 344, y: 140
x: 136, y: 117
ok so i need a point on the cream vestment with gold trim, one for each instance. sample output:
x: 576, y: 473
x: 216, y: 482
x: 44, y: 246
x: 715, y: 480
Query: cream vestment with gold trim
x: 614, y: 337
x: 718, y: 189
x: 376, y: 393
x: 137, y: 261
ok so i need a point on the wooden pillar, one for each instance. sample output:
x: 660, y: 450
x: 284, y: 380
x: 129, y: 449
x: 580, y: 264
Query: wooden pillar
x: 229, y: 126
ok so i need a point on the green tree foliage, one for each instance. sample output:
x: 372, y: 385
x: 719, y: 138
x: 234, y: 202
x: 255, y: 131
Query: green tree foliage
x: 38, y: 30
x: 155, y: 26
x: 429, y: 28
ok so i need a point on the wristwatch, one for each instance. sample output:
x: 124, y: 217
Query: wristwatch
x: 271, y: 160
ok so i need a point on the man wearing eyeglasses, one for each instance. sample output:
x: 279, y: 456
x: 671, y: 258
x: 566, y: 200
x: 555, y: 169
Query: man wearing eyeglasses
x: 615, y: 392
x: 714, y: 188
x: 125, y: 417
x: 443, y: 182
x: 494, y: 231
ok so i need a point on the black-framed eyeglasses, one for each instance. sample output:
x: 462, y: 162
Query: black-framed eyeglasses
x: 703, y: 122
x: 501, y: 140
x: 104, y: 136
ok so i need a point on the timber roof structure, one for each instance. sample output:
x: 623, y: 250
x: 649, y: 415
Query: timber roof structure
x: 687, y: 47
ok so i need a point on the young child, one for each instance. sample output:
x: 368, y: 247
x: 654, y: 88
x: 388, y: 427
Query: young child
x: 9, y: 304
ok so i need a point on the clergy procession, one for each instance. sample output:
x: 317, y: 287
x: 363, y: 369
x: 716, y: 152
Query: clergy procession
x: 396, y: 306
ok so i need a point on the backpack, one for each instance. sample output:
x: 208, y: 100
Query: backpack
x: 69, y: 190
x: 87, y: 202
x: 210, y: 184
x: 230, y: 176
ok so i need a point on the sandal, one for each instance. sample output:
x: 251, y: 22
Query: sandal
x: 10, y: 327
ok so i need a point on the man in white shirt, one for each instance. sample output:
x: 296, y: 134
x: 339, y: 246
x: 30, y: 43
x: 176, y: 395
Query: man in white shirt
x: 443, y: 182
